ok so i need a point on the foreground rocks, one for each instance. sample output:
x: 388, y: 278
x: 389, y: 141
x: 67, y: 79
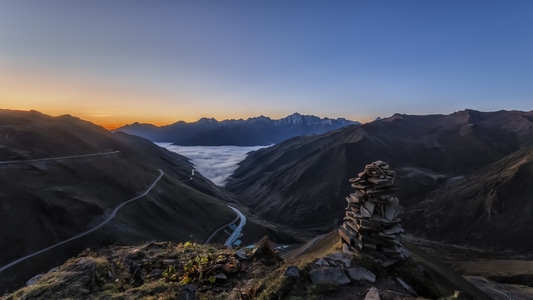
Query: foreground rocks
x: 337, y: 268
x: 343, y: 269
x: 192, y: 271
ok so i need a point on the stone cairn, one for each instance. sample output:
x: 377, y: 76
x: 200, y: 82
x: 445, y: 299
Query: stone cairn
x: 372, y: 223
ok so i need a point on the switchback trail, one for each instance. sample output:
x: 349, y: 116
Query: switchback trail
x: 113, y: 214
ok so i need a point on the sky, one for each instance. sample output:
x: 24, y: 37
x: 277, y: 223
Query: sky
x: 115, y: 62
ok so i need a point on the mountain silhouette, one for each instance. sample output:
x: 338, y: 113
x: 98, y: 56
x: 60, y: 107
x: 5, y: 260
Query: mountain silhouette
x: 258, y: 131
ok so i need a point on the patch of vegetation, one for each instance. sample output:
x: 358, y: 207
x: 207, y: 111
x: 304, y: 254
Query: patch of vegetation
x: 154, y: 270
x: 163, y: 271
x: 193, y: 271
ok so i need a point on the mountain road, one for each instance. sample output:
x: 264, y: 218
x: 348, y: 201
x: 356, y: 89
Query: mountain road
x: 109, y: 218
x: 25, y: 161
x: 237, y: 232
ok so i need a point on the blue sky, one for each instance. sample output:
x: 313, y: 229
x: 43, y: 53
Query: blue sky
x: 115, y: 62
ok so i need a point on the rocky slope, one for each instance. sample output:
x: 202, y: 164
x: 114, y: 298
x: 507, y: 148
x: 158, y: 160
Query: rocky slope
x: 191, y: 271
x: 302, y: 182
x: 250, y: 132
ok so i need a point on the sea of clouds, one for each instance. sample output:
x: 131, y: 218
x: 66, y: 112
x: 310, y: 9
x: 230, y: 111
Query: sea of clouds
x: 216, y: 163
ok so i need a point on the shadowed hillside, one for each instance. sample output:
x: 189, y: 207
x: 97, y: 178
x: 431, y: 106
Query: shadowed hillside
x: 491, y: 207
x: 303, y: 181
x: 62, y: 176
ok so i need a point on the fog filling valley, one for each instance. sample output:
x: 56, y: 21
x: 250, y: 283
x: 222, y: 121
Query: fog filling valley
x: 216, y: 163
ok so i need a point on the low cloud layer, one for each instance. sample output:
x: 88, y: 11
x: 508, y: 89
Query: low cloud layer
x: 216, y: 163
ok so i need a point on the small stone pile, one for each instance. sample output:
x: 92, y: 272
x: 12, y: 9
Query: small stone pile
x: 372, y: 223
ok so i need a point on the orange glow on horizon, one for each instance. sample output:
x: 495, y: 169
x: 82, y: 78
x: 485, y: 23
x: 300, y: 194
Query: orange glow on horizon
x: 113, y: 106
x: 107, y: 105
x: 112, y: 122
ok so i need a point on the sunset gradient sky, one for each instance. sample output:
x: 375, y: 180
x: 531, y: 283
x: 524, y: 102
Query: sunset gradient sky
x: 119, y: 61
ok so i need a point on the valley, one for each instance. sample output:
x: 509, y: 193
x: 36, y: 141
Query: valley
x: 266, y: 150
x: 76, y: 175
x: 216, y: 163
x: 463, y: 179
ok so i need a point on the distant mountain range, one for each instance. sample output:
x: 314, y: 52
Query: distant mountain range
x: 463, y: 177
x: 258, y: 131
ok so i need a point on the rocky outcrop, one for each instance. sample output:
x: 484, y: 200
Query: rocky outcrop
x: 338, y: 268
x: 372, y: 222
x: 346, y: 267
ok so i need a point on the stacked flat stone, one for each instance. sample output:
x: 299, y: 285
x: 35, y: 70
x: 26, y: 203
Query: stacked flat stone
x: 372, y: 223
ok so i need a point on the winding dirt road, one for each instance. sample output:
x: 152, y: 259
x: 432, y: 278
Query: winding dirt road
x: 111, y: 216
x: 25, y: 161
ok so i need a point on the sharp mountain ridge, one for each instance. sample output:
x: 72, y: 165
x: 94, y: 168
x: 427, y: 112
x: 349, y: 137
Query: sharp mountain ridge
x: 250, y: 132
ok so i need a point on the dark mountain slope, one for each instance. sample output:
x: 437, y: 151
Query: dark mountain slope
x: 491, y: 207
x: 250, y: 132
x: 26, y: 135
x: 48, y: 201
x: 302, y: 182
